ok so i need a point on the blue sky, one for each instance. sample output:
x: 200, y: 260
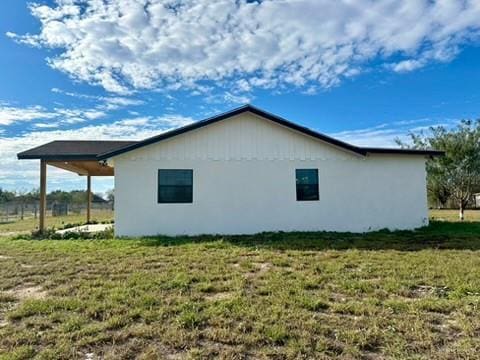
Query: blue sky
x: 366, y: 73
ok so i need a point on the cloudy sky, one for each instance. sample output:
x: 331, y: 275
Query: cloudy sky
x: 365, y: 71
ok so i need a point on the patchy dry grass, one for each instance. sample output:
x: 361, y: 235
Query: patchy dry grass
x: 296, y: 295
x: 452, y: 215
x: 30, y: 224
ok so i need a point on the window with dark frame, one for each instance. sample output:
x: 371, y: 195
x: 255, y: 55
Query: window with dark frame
x: 307, y: 184
x: 175, y: 186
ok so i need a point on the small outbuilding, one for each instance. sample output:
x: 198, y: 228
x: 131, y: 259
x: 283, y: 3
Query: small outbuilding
x: 247, y: 171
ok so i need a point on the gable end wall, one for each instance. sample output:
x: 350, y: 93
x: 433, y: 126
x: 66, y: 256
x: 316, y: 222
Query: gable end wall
x: 244, y: 182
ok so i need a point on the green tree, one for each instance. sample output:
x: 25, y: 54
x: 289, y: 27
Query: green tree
x: 60, y: 196
x: 6, y: 196
x: 456, y: 175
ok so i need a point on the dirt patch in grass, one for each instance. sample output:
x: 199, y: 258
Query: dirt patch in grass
x: 263, y: 267
x: 28, y: 292
x: 225, y: 295
x: 421, y: 291
x: 337, y: 298
x: 260, y: 268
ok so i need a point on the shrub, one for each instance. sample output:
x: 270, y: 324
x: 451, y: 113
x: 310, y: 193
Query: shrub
x: 51, y: 234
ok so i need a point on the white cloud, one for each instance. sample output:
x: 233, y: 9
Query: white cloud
x: 156, y: 123
x: 113, y: 103
x: 236, y: 99
x: 139, y: 121
x: 372, y: 137
x: 10, y: 114
x: 384, y: 135
x: 125, y: 45
x: 407, y: 65
x: 119, y: 101
x: 45, y: 125
x: 106, y: 102
x: 71, y: 116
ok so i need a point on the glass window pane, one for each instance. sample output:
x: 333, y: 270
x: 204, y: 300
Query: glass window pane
x: 175, y: 186
x: 307, y: 192
x: 173, y: 194
x: 307, y: 184
x: 307, y: 176
x: 175, y: 177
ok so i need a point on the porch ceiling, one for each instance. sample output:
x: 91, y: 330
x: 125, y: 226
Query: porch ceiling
x: 87, y: 167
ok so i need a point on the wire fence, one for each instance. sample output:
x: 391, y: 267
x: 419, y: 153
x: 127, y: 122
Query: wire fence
x: 15, y: 210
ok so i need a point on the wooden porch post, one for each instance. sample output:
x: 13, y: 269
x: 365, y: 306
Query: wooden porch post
x: 89, y: 196
x: 43, y: 195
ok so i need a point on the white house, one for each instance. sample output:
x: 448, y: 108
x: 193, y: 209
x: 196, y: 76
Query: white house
x: 248, y: 171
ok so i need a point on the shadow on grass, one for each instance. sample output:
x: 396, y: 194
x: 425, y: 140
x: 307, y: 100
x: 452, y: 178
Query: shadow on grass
x: 438, y: 235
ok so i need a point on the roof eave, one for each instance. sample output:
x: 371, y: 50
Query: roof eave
x: 22, y: 156
x: 404, y: 151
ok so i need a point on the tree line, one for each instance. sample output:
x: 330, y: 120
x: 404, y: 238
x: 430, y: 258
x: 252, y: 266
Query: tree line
x: 68, y: 197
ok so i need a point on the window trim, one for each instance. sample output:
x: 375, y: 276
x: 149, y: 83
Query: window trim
x: 317, y: 184
x: 173, y: 202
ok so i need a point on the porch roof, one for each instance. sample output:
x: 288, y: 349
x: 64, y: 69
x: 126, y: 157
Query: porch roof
x: 79, y: 156
x: 73, y: 149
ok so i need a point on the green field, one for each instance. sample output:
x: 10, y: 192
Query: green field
x: 381, y: 295
x: 31, y: 223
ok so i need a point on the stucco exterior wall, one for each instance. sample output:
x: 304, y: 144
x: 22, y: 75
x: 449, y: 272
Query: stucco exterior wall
x: 244, y: 183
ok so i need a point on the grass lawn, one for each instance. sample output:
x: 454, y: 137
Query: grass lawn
x: 452, y: 215
x: 297, y: 295
x: 31, y: 224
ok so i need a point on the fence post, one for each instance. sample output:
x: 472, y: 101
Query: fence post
x: 89, y: 197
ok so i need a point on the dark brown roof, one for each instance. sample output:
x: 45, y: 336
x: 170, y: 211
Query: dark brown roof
x: 254, y: 110
x: 73, y: 149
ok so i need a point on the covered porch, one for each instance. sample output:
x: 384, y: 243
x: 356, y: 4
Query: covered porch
x: 79, y: 157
